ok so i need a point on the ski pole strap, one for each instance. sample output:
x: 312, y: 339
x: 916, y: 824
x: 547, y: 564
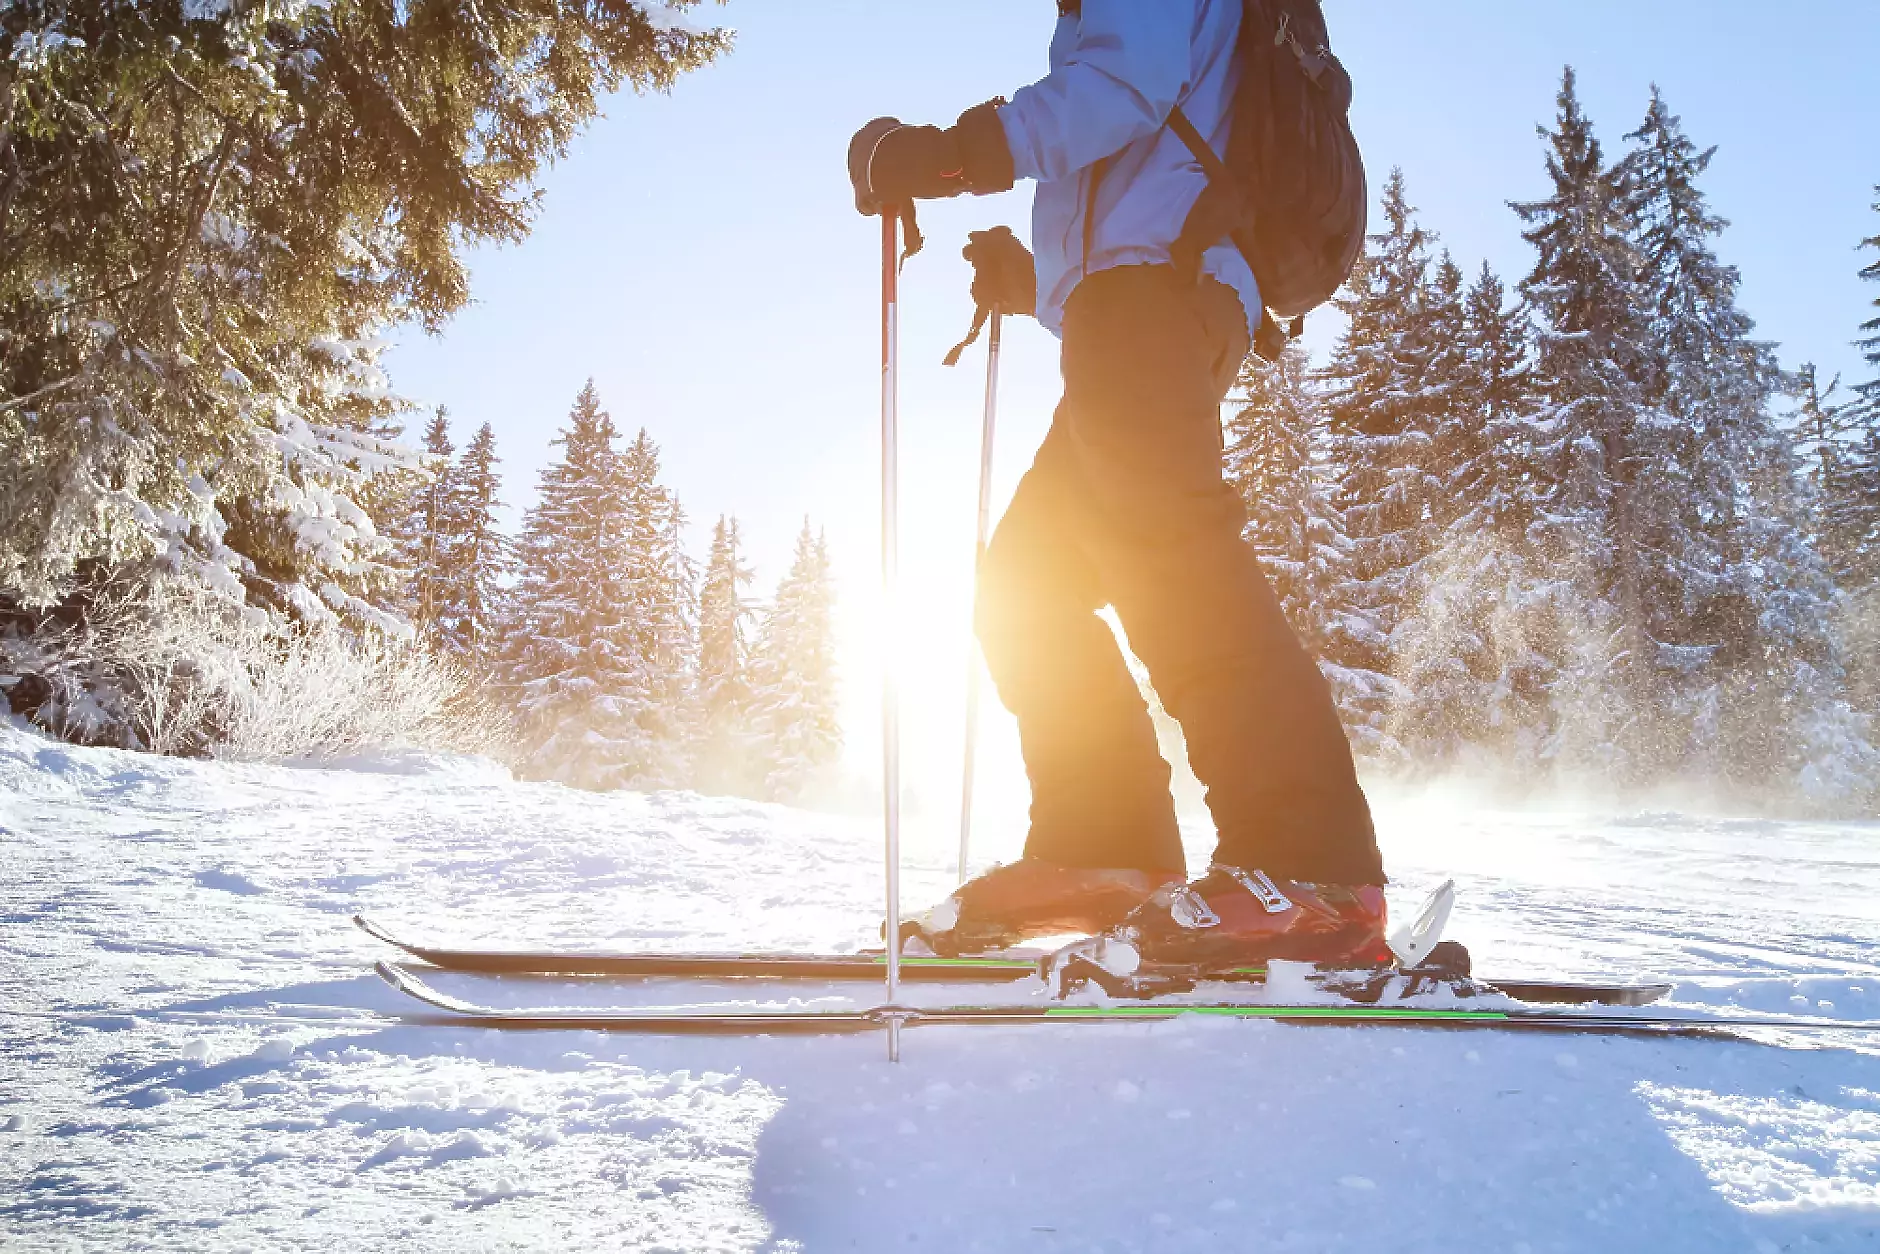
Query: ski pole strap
x: 972, y: 337
x: 910, y: 228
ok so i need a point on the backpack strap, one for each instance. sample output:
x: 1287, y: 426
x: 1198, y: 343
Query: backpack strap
x: 1220, y: 210
x: 1210, y: 160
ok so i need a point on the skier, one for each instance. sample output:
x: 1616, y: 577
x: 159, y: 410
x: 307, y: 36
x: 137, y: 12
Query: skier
x: 1125, y: 505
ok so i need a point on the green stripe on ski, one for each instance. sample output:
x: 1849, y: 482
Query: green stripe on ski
x: 1274, y: 1012
x: 1010, y: 964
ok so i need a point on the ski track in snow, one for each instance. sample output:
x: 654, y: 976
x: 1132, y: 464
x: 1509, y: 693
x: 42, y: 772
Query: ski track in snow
x: 192, y: 1055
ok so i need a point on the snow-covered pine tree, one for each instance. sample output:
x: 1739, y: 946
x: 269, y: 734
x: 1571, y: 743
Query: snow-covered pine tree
x: 1477, y: 656
x: 1594, y: 361
x: 662, y: 607
x: 1451, y: 427
x: 1379, y: 418
x: 675, y: 622
x: 1869, y: 342
x: 1854, y: 505
x: 477, y: 559
x: 1707, y: 379
x: 795, y: 728
x: 1851, y: 511
x: 1819, y: 426
x: 1752, y: 653
x: 1276, y: 459
x: 1852, y: 508
x: 723, y: 682
x: 1496, y: 401
x: 424, y: 540
x: 1851, y: 518
x: 576, y: 660
x: 1787, y: 701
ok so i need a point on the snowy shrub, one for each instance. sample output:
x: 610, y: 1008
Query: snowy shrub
x: 174, y: 669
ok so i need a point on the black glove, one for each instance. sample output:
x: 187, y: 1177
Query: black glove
x: 890, y: 164
x: 1005, y: 279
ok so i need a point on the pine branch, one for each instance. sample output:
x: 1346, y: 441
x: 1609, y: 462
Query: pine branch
x: 19, y: 401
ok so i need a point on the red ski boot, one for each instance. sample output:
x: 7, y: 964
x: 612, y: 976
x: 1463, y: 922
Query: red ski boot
x: 1030, y: 898
x: 1231, y: 919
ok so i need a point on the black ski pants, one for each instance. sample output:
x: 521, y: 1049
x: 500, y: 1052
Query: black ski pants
x: 1125, y: 506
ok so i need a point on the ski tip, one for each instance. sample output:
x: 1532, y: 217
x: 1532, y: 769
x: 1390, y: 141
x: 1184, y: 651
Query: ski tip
x: 372, y: 929
x: 411, y: 986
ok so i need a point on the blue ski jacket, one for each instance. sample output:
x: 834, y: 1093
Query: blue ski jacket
x: 1117, y: 70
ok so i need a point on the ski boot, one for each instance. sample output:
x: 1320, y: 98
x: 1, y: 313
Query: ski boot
x: 1235, y: 922
x: 1030, y: 898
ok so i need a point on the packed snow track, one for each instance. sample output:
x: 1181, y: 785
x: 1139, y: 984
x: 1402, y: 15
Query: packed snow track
x: 195, y: 1054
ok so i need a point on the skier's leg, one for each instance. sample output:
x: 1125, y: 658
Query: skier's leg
x: 1099, y: 785
x: 1147, y: 361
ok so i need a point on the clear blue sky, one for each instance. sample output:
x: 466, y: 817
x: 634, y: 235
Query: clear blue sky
x: 699, y: 256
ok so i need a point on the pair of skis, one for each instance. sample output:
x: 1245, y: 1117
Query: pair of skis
x: 828, y: 1022
x: 1566, y: 999
x: 1009, y: 968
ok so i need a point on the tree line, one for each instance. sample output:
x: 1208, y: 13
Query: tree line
x: 620, y: 662
x: 1589, y: 528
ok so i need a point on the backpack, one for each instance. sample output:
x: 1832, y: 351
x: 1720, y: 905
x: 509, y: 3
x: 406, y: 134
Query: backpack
x: 1291, y: 192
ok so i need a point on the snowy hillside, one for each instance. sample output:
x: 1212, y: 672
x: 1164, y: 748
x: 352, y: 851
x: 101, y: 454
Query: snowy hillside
x: 192, y: 1053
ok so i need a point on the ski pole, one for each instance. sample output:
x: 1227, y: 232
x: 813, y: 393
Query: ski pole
x: 890, y: 697
x: 979, y: 560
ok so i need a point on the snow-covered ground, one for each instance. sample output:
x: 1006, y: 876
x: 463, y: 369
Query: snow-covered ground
x: 196, y: 1056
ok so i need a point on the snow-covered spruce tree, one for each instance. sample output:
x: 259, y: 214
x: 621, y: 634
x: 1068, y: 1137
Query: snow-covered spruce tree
x: 1754, y: 653
x: 1853, y: 505
x: 662, y: 589
x: 1705, y: 378
x: 1379, y: 420
x: 673, y: 593
x: 1850, y: 511
x: 575, y: 661
x: 477, y: 558
x: 1790, y: 710
x: 1869, y: 342
x: 207, y: 214
x: 794, y: 725
x: 1820, y: 426
x: 1594, y: 363
x: 1276, y: 459
x: 422, y: 533
x: 1477, y: 655
x: 1839, y: 456
x: 1453, y: 436
x: 723, y: 681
